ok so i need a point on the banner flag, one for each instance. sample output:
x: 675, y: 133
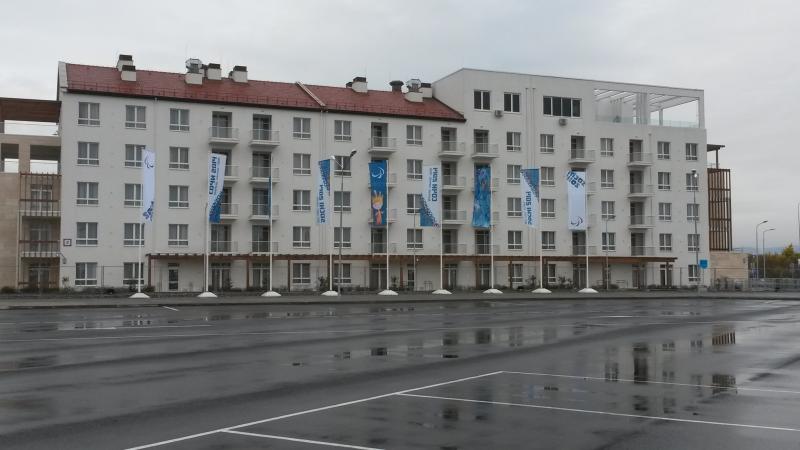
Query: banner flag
x: 378, y: 193
x: 576, y: 197
x: 216, y: 179
x: 324, y: 191
x: 148, y: 184
x: 431, y: 210
x: 530, y: 197
x: 482, y: 203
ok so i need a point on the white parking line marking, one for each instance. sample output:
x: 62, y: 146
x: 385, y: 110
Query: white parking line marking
x: 623, y: 380
x: 605, y: 413
x: 305, y: 441
x: 169, y: 307
x: 309, y: 411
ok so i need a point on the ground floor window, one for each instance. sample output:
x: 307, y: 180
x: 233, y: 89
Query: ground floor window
x: 484, y: 275
x: 550, y: 274
x: 411, y: 277
x: 665, y: 271
x: 514, y: 274
x: 341, y: 273
x: 173, y: 276
x: 85, y: 274
x: 132, y: 273
x: 694, y: 273
x: 221, y: 276
x: 260, y: 275
x: 301, y: 273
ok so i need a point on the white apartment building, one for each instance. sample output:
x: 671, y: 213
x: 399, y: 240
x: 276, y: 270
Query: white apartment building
x: 279, y: 131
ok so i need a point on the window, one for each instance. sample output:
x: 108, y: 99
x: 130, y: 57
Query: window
x: 342, y: 166
x: 694, y: 242
x: 515, y: 273
x: 178, y: 196
x: 87, y: 193
x: 548, y: 176
x: 483, y: 100
x: 607, y: 147
x: 413, y: 203
x: 548, y: 240
x: 301, y: 273
x: 691, y: 182
x: 341, y: 273
x: 665, y: 211
x: 547, y: 143
x: 513, y: 141
x: 133, y: 155
x: 302, y: 128
x: 414, y: 169
x: 341, y: 237
x: 514, y: 207
x: 133, y: 234
x: 414, y: 238
x: 665, y: 242
x: 694, y: 273
x: 692, y: 212
x: 132, y: 273
x: 513, y: 173
x: 577, y: 142
x: 301, y: 237
x: 414, y: 134
x: 86, y: 234
x: 663, y: 150
x: 178, y: 234
x: 562, y: 106
x: 514, y: 240
x: 609, y: 242
x: 341, y: 201
x: 301, y: 200
x: 691, y: 152
x: 179, y: 158
x: 178, y: 119
x: 664, y: 181
x: 607, y: 179
x: 88, y: 113
x: 85, y: 274
x: 133, y: 194
x: 607, y: 209
x: 341, y: 130
x: 135, y: 117
x: 548, y: 208
x: 88, y: 154
x: 301, y: 164
x: 511, y: 102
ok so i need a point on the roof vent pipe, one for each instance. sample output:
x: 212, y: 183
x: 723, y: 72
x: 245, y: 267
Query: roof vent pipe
x: 213, y: 71
x: 397, y: 85
x: 239, y: 74
x: 124, y: 60
x: 359, y: 85
x: 128, y: 73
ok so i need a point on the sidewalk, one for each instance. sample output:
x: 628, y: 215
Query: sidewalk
x: 75, y: 301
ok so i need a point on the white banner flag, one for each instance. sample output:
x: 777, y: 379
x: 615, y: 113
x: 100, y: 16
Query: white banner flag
x: 216, y: 179
x: 530, y: 197
x: 431, y: 210
x: 148, y: 184
x: 576, y: 197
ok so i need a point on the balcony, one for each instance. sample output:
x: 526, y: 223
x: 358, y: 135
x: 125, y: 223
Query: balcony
x: 451, y: 149
x: 380, y: 248
x: 454, y: 248
x: 495, y: 184
x: 591, y: 188
x: 223, y: 136
x: 580, y: 250
x: 231, y: 174
x: 263, y: 247
x: 220, y: 247
x: 265, y: 138
x: 640, y: 159
x: 638, y: 250
x: 260, y: 175
x: 228, y: 211
x: 260, y: 211
x: 454, y: 217
x: 39, y: 208
x: 484, y: 151
x: 640, y: 190
x: 453, y: 183
x: 638, y: 222
x: 39, y: 249
x: 581, y: 156
x: 382, y: 146
x: 391, y: 219
x: 486, y: 249
x: 391, y: 181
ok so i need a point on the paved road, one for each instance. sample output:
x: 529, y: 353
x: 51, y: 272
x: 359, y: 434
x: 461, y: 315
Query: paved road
x: 615, y: 374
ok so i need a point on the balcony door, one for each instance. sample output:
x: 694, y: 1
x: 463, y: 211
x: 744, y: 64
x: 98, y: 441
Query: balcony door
x: 450, y: 276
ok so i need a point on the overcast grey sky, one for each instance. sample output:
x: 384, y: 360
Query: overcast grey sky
x: 743, y: 54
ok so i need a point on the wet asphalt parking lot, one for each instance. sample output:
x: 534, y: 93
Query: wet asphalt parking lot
x: 610, y: 374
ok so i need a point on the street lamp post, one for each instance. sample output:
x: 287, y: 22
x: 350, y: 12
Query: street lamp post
x: 341, y: 216
x: 755, y: 260
x: 764, y: 250
x: 608, y: 272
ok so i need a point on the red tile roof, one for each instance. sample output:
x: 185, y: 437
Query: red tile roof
x: 107, y: 81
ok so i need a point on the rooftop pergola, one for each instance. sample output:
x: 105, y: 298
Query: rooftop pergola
x: 655, y: 102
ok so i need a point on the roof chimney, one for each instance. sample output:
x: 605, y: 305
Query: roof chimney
x: 427, y: 90
x: 414, y: 94
x: 239, y: 74
x: 128, y: 72
x: 124, y: 60
x: 194, y: 73
x: 213, y: 71
x: 359, y: 84
x: 396, y: 85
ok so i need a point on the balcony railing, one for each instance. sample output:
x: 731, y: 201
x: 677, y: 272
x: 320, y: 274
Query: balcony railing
x: 229, y: 210
x: 580, y: 250
x: 453, y: 182
x: 454, y: 248
x: 263, y: 246
x: 39, y: 208
x: 392, y: 216
x: 454, y: 216
x: 263, y: 174
x: 640, y: 190
x: 39, y: 249
x: 391, y: 180
x: 222, y: 135
x: 382, y: 144
x: 265, y: 138
x: 380, y: 247
x: 641, y: 221
x: 640, y: 159
x: 637, y: 250
x: 581, y: 156
x: 486, y: 249
x: 451, y: 149
x: 260, y: 211
x: 495, y: 183
x: 484, y: 150
x: 224, y: 246
x: 231, y: 173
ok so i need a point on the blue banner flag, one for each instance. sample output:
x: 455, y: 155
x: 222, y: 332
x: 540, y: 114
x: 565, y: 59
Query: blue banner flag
x: 530, y: 197
x: 216, y: 179
x: 378, y: 192
x: 430, y: 213
x: 482, y: 206
x: 323, y: 191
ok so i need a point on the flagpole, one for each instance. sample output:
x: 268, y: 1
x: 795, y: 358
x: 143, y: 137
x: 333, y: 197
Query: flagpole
x: 541, y: 289
x: 387, y: 290
x: 491, y: 289
x: 441, y: 289
x: 207, y: 229
x: 270, y: 292
x: 587, y: 289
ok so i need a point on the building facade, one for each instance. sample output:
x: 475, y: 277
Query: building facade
x: 644, y: 201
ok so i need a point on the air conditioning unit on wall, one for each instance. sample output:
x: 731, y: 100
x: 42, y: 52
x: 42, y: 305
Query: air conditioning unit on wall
x: 498, y: 113
x: 562, y: 121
